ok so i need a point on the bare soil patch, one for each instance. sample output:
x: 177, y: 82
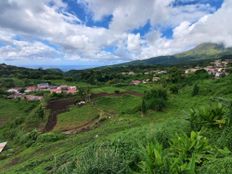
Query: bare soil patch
x: 56, y: 107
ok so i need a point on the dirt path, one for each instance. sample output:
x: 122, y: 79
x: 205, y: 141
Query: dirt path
x: 90, y: 124
x: 85, y: 127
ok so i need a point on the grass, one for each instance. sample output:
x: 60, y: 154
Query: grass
x: 125, y: 121
x: 10, y: 109
x: 106, y: 89
x: 119, y: 104
x: 75, y: 117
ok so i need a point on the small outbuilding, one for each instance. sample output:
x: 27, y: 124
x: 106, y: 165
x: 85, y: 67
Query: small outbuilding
x: 2, y: 146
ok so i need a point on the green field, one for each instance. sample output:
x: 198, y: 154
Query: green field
x: 10, y: 109
x: 76, y: 116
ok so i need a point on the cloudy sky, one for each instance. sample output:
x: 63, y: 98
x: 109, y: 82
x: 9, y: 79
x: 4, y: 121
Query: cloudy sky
x: 99, y: 32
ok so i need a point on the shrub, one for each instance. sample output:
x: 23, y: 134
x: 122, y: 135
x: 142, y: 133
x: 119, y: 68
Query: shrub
x: 174, y: 89
x: 184, y: 155
x: 167, y: 131
x: 195, y: 90
x: 155, y: 99
x: 212, y: 116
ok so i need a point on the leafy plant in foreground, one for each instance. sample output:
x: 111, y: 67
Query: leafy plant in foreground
x: 184, y: 155
x: 212, y: 116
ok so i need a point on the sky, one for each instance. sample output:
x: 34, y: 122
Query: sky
x: 92, y: 33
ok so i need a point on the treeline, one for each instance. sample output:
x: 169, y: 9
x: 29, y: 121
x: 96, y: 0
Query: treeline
x: 7, y: 71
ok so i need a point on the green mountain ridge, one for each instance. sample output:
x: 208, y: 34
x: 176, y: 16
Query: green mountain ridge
x: 205, y: 51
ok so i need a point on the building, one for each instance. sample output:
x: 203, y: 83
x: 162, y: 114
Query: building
x: 56, y: 91
x: 43, y: 86
x: 30, y: 89
x: 162, y: 72
x: 155, y: 79
x: 131, y: 73
x: 16, y: 96
x: 191, y: 70
x: 64, y: 89
x: 136, y: 82
x: 13, y: 90
x: 33, y: 98
x: 2, y: 146
x: 72, y: 90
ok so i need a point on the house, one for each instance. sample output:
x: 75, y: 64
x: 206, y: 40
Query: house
x: 2, y: 146
x: 131, y: 73
x: 146, y: 81
x: 162, y: 72
x: 64, y: 89
x: 136, y: 82
x: 219, y: 74
x: 72, y: 90
x: 191, y: 70
x: 155, y: 79
x: 16, y: 96
x: 56, y: 90
x: 43, y: 86
x: 13, y: 90
x: 30, y: 89
x: 33, y: 98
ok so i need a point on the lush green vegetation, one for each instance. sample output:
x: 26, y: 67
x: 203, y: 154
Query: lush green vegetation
x: 75, y: 117
x: 180, y: 124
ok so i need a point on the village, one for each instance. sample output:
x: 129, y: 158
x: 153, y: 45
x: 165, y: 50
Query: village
x: 218, y: 68
x: 28, y: 93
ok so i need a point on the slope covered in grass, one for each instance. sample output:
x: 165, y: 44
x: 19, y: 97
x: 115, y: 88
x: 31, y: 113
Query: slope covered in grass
x: 115, y: 144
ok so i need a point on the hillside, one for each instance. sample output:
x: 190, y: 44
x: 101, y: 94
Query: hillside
x: 205, y: 51
x: 121, y: 128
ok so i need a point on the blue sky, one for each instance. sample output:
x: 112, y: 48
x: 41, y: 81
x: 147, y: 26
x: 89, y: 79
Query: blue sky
x: 100, y: 32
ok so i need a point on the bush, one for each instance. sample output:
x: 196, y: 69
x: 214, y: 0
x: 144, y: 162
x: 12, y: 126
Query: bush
x: 155, y: 99
x: 195, y: 90
x: 174, y: 89
x: 167, y: 131
x: 184, y: 155
x: 212, y: 116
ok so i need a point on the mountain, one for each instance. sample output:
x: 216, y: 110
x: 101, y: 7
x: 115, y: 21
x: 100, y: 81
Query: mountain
x: 205, y: 51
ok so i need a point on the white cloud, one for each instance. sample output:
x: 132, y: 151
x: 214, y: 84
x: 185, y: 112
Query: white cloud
x: 21, y: 50
x: 50, y: 20
x: 133, y: 42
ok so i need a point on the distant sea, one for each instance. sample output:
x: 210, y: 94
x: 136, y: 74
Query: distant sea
x: 61, y: 67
